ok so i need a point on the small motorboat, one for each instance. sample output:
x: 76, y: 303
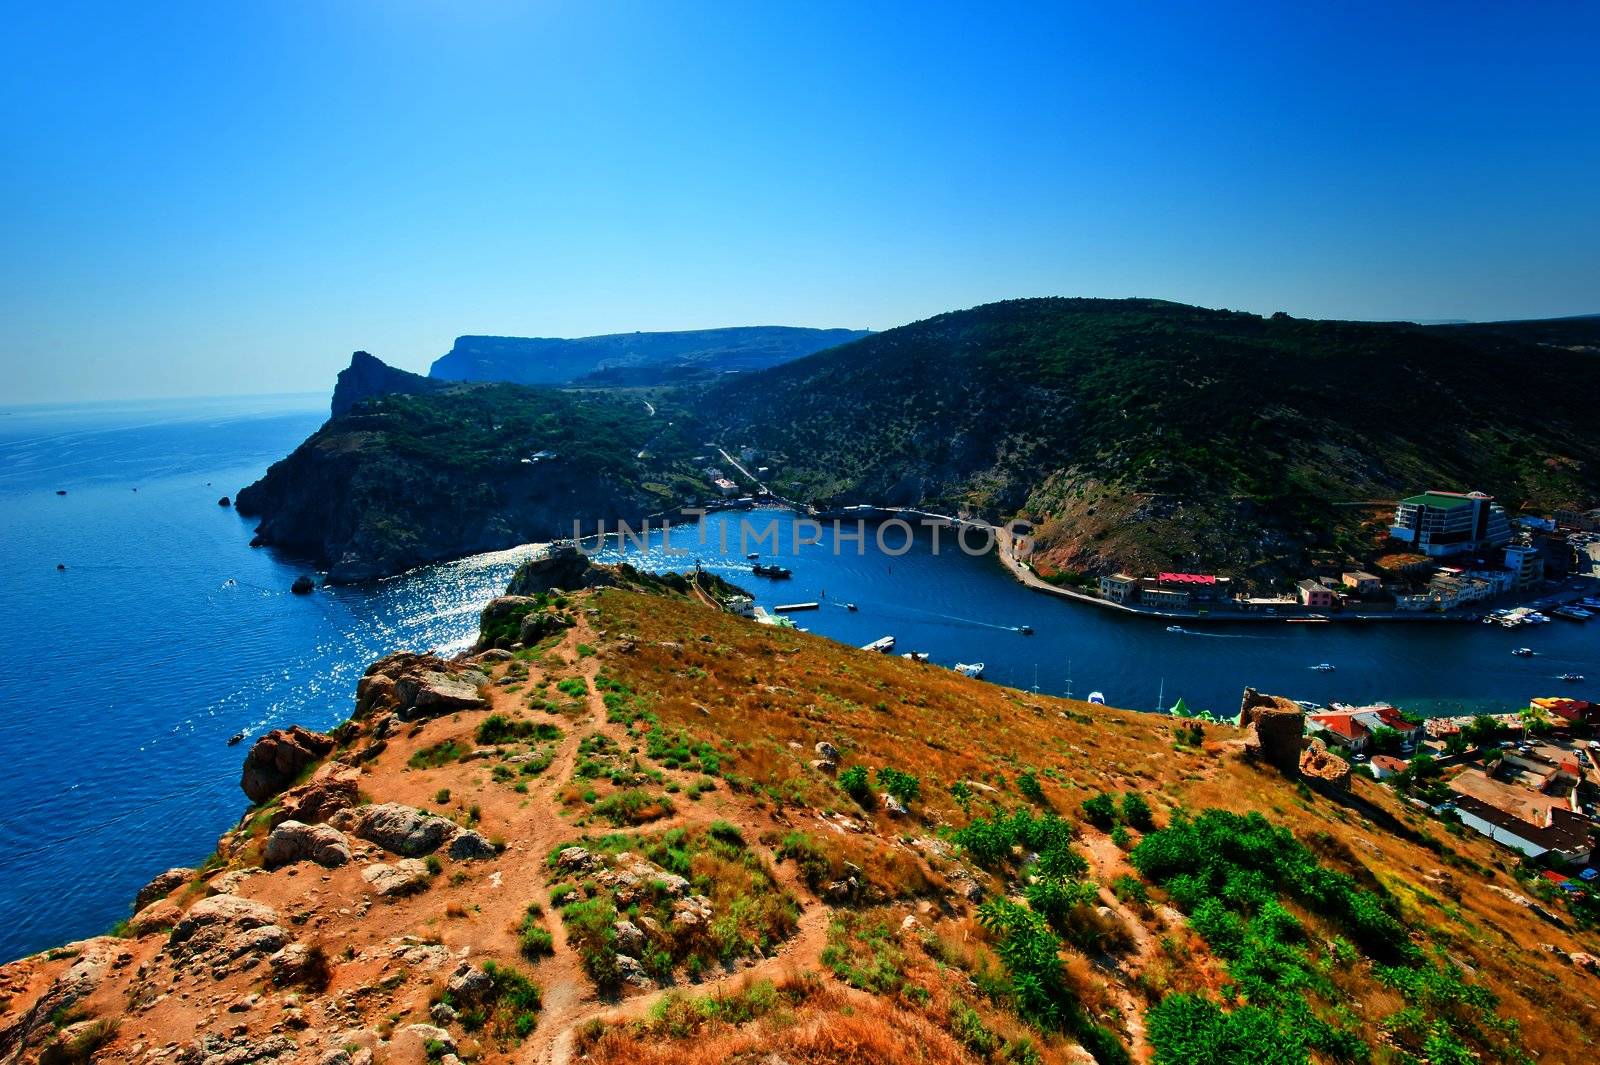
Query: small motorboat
x: 1026, y: 630
x: 1322, y: 667
x: 850, y: 607
x: 1523, y: 652
x: 1174, y: 628
x: 780, y: 572
x: 1570, y: 677
x: 235, y: 739
x: 752, y: 556
x: 970, y: 669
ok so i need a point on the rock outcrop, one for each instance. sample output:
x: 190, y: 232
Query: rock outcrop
x: 293, y: 841
x: 402, y: 830
x: 1274, y: 727
x: 558, y: 565
x: 401, y: 878
x: 333, y: 787
x: 278, y: 758
x: 162, y: 885
x: 368, y: 376
x: 1317, y: 763
x: 225, y: 932
x: 416, y: 686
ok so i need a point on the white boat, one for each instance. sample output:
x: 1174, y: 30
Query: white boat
x: 883, y: 645
x: 1570, y: 676
x: 1322, y: 667
x: 1174, y: 628
x: 1523, y: 652
x: 1097, y: 698
x: 969, y: 669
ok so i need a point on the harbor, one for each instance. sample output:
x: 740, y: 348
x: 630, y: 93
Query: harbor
x: 961, y: 609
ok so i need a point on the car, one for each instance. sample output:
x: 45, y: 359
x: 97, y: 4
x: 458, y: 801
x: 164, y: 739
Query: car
x: 1589, y: 874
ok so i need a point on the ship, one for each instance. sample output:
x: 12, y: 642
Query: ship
x: 779, y: 572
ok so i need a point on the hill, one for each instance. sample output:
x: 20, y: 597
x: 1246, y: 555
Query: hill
x: 632, y: 358
x: 1143, y: 434
x: 635, y: 829
x: 368, y: 376
x: 401, y: 479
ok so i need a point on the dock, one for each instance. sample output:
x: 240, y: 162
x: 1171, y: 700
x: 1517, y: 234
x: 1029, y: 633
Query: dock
x: 785, y: 608
x: 883, y: 645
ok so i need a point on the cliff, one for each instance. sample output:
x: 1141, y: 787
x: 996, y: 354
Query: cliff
x: 368, y: 376
x: 401, y: 480
x: 639, y: 830
x: 632, y: 358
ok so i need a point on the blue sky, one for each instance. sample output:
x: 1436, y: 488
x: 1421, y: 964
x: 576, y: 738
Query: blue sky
x: 229, y: 198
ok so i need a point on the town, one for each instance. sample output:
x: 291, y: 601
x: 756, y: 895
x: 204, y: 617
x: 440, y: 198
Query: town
x: 1528, y: 780
x: 1449, y: 555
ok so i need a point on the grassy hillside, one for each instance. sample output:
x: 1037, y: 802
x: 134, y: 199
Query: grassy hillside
x: 1145, y: 433
x: 1064, y: 883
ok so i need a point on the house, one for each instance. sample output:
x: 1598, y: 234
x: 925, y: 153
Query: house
x: 1152, y: 594
x: 1571, y: 711
x: 726, y: 487
x: 1361, y: 582
x: 1342, y: 730
x: 1118, y: 587
x: 1385, y: 766
x: 1448, y: 523
x: 1314, y: 594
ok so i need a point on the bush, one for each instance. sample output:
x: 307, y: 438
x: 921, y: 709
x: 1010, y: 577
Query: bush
x: 1100, y: 811
x: 1028, y: 784
x: 1187, y: 1029
x: 533, y: 939
x: 904, y: 786
x: 1136, y: 812
x: 856, y: 785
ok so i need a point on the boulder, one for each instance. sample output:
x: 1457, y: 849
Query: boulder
x: 416, y: 1042
x: 632, y: 972
x: 401, y: 878
x: 575, y: 860
x: 827, y: 751
x: 159, y: 916
x: 223, y: 928
x: 294, y: 841
x: 558, y: 565
x: 415, y: 686
x: 214, y: 1049
x: 630, y: 940
x: 279, y: 757
x: 402, y: 829
x: 437, y: 692
x: 469, y: 982
x: 893, y: 805
x: 470, y: 846
x: 692, y: 912
x: 332, y: 787
x: 162, y: 885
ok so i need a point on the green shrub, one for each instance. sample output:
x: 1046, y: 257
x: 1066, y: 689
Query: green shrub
x: 1136, y: 811
x: 1028, y: 784
x: 1100, y: 811
x: 902, y: 785
x: 442, y: 753
x: 856, y: 785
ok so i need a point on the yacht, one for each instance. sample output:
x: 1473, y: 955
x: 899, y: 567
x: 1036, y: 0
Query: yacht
x: 970, y: 669
x: 771, y: 571
x: 1523, y: 652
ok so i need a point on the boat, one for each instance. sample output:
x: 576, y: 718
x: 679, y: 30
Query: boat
x: 1174, y: 628
x: 1322, y: 667
x: 235, y: 739
x: 780, y: 572
x: 1097, y: 698
x: 969, y: 669
x: 752, y: 556
x: 850, y: 607
x: 1026, y: 630
x: 1571, y: 613
x: 1523, y: 652
x: 915, y: 656
x: 883, y: 645
x: 784, y: 608
x: 1570, y: 677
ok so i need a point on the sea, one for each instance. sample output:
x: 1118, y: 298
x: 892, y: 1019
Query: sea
x: 125, y: 674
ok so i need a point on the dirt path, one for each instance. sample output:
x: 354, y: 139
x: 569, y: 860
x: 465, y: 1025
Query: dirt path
x: 570, y: 1000
x: 1106, y: 863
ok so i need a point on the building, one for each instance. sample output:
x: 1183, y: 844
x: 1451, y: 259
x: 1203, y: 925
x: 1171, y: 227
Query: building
x: 1314, y: 594
x: 1361, y: 582
x: 1152, y: 594
x: 742, y: 605
x: 1448, y: 523
x: 1351, y: 727
x: 1118, y: 587
x: 1385, y: 766
x: 726, y: 487
x: 1201, y: 587
x: 1570, y: 711
x: 1526, y: 565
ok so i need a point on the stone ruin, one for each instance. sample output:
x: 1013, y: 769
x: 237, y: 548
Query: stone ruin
x: 1274, y: 733
x: 1273, y: 729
